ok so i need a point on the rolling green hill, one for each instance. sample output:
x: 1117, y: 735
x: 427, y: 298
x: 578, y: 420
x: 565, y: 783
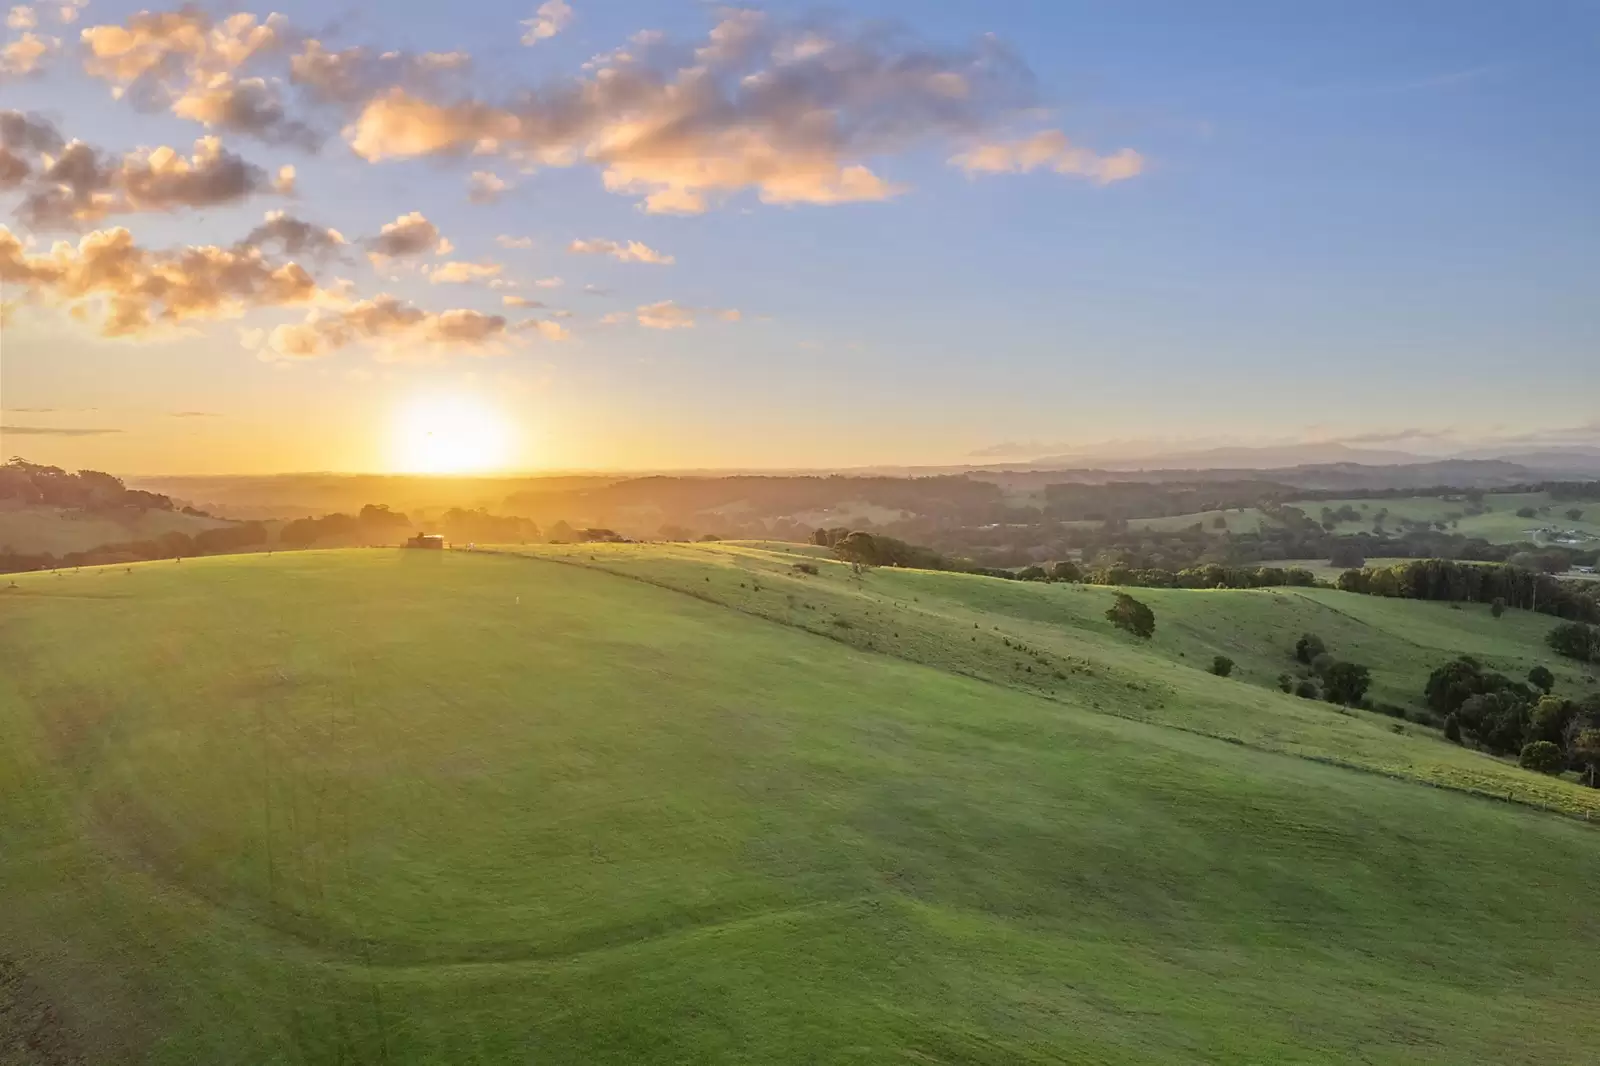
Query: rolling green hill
x: 626, y: 803
x: 1499, y: 524
x: 33, y: 530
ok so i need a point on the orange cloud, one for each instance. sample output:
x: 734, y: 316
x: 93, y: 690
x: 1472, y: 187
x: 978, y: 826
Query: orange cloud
x: 133, y: 292
x: 82, y: 185
x: 631, y: 252
x: 790, y: 114
x: 1052, y: 150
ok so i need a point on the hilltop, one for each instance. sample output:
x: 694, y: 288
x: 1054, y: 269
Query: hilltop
x: 650, y: 803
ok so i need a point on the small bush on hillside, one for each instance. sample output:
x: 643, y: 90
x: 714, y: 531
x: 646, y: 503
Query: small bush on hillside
x: 1321, y: 663
x: 1285, y: 683
x: 1222, y: 666
x: 1131, y: 615
x: 1306, y: 690
x: 1576, y: 641
x: 1542, y: 679
x: 1498, y: 607
x: 1543, y: 757
x: 1308, y: 647
x: 1452, y: 729
x: 807, y: 568
x: 1346, y: 683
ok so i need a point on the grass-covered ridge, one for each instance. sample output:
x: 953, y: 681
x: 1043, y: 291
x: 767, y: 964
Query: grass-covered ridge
x: 416, y: 807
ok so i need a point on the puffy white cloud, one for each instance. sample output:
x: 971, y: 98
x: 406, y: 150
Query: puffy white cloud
x: 409, y: 235
x: 80, y: 184
x: 243, y: 105
x: 486, y: 187
x: 399, y: 329
x: 1049, y: 149
x: 294, y: 236
x: 129, y: 291
x: 458, y: 272
x: 505, y: 240
x: 552, y: 17
x: 352, y: 75
x: 788, y: 113
x: 26, y: 55
x: 631, y: 252
x: 22, y: 17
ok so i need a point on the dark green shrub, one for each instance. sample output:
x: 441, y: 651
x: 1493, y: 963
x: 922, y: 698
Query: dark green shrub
x: 1308, y: 647
x: 1576, y: 641
x: 1452, y: 729
x: 1498, y: 607
x: 1346, y: 683
x: 1222, y: 666
x: 1306, y: 690
x: 1285, y: 683
x: 1543, y: 757
x: 1542, y: 679
x: 1131, y: 615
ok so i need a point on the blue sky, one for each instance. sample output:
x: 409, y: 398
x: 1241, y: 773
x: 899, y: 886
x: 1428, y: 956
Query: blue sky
x: 1351, y: 219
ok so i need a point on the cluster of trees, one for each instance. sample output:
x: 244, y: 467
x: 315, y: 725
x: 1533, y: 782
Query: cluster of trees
x: 1448, y: 579
x: 1208, y: 576
x: 1322, y: 676
x: 375, y: 523
x: 462, y: 525
x: 234, y: 537
x: 1576, y: 640
x: 1507, y: 717
x: 872, y: 549
x: 86, y: 490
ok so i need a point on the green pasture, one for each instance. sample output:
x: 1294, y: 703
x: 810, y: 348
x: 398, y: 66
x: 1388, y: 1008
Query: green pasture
x: 691, y: 804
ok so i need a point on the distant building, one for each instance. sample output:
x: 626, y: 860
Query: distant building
x: 426, y: 540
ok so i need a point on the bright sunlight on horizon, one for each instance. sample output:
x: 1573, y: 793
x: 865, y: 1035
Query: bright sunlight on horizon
x: 450, y: 433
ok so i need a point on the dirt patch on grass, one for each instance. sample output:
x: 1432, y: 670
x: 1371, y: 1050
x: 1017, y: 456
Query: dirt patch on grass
x: 32, y: 1032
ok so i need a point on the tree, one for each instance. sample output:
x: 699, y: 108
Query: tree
x: 1576, y: 641
x: 1031, y: 573
x: 1585, y: 749
x: 1347, y: 554
x: 1498, y: 607
x: 1576, y: 514
x: 1285, y: 683
x: 1452, y: 729
x: 1129, y: 614
x: 1550, y: 719
x: 1498, y: 720
x: 1527, y: 512
x: 1346, y: 683
x: 1222, y: 666
x: 1067, y: 571
x: 1541, y: 678
x: 1308, y: 647
x: 1306, y: 690
x: 1542, y: 757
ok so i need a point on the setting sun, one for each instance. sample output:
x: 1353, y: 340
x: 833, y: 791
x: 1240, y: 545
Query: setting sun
x: 450, y: 434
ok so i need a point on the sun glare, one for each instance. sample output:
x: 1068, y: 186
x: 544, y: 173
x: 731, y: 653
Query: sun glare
x: 450, y: 434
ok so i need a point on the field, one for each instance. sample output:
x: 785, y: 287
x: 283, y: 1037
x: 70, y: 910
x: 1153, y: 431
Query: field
x: 30, y: 530
x: 1498, y: 525
x: 688, y: 804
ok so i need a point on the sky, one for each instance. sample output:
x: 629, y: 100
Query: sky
x: 658, y: 235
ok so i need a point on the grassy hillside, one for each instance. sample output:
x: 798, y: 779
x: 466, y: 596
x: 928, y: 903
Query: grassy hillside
x: 1498, y: 525
x: 32, y: 530
x: 617, y: 805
